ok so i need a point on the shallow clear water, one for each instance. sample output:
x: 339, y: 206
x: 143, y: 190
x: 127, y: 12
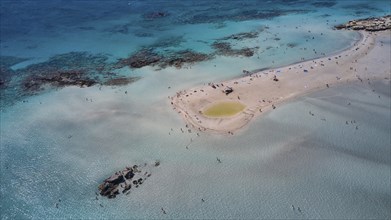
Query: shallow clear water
x: 60, y: 144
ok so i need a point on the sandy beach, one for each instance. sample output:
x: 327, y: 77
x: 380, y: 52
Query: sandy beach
x: 368, y: 59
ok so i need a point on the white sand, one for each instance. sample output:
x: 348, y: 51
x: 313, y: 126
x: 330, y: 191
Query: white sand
x: 368, y: 59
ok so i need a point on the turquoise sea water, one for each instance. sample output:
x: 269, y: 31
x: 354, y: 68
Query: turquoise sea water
x: 58, y: 144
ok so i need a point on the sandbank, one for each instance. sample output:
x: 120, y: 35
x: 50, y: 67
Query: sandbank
x: 368, y: 59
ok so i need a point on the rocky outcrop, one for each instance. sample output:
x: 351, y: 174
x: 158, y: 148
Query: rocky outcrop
x: 368, y: 24
x: 123, y: 181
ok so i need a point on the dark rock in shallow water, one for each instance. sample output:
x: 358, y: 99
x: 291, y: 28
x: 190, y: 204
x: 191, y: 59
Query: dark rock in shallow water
x: 241, y: 36
x: 179, y: 58
x: 70, y: 69
x: 247, y: 52
x: 127, y: 188
x: 225, y: 49
x: 144, y: 57
x: 116, y: 179
x: 291, y: 45
x: 222, y: 47
x: 80, y: 69
x: 147, y: 57
x: 122, y: 81
x: 122, y: 181
x: 129, y: 174
x: 368, y: 24
x: 58, y: 79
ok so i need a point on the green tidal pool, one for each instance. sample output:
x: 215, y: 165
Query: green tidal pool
x: 223, y: 109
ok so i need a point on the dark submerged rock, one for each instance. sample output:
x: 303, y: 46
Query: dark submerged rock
x: 80, y: 69
x: 122, y: 181
x: 180, y: 58
x: 58, y: 79
x: 147, y: 57
x: 129, y: 174
x: 116, y: 179
x: 144, y: 57
x: 291, y: 45
x: 225, y: 49
x: 122, y: 81
x: 242, y: 36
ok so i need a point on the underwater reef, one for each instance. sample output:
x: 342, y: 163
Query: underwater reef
x: 225, y: 49
x: 158, y: 53
x: 79, y: 69
x: 83, y: 69
x: 149, y: 57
